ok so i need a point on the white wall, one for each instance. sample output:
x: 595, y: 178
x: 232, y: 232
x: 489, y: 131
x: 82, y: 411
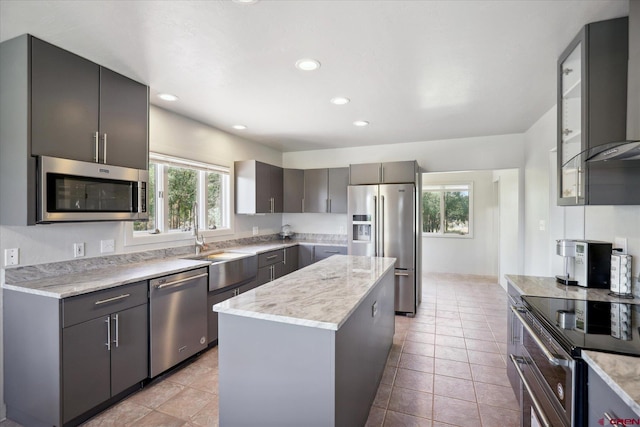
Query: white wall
x: 577, y: 222
x: 477, y: 254
x: 511, y: 228
x: 465, y: 154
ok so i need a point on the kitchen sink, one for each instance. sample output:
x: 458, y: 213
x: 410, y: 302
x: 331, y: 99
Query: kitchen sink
x: 229, y: 268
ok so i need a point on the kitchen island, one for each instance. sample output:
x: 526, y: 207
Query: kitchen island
x: 309, y: 348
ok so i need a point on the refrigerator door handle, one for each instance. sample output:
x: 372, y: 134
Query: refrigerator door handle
x: 375, y: 226
x: 381, y: 225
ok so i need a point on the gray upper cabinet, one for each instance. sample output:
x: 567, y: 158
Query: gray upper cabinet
x: 338, y: 181
x: 325, y: 190
x: 259, y: 187
x: 383, y: 173
x: 86, y: 112
x: 65, y: 102
x: 316, y: 196
x: 592, y: 111
x: 293, y: 185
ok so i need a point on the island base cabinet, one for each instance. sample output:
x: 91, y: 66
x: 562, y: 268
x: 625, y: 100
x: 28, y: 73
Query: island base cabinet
x: 295, y: 375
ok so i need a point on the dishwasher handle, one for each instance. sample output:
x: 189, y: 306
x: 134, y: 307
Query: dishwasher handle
x: 179, y: 282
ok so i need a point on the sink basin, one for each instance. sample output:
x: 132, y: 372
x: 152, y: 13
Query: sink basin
x: 229, y: 268
x: 220, y: 256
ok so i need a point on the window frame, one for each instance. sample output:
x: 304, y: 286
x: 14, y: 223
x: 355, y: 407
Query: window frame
x: 163, y: 162
x: 444, y: 188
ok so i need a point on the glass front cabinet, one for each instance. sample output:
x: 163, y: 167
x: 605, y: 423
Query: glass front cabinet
x: 592, y: 85
x: 571, y: 142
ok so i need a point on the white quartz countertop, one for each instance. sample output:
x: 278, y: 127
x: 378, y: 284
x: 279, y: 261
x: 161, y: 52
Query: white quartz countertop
x: 68, y: 285
x: 621, y: 373
x: 548, y: 287
x: 321, y: 295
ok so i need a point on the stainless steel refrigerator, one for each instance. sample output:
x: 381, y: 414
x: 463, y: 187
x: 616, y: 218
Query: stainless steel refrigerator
x: 383, y: 221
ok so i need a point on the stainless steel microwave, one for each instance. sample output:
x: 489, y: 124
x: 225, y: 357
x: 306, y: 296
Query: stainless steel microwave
x: 74, y: 191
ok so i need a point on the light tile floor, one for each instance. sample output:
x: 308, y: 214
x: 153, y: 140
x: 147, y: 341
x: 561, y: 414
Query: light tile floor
x: 446, y: 368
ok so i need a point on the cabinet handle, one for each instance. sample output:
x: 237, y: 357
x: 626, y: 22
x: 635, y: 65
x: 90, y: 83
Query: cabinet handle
x: 302, y: 210
x: 117, y: 340
x: 104, y: 301
x: 272, y: 271
x: 613, y: 420
x: 272, y: 256
x: 402, y: 274
x: 95, y: 138
x: 104, y: 148
x: 284, y: 256
x: 331, y: 252
x: 578, y: 185
x: 108, y: 322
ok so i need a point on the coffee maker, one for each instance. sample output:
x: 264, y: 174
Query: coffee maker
x: 566, y: 248
x: 587, y: 263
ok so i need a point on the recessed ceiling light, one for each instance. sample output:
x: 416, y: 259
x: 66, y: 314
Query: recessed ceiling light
x: 307, y: 64
x: 167, y: 97
x: 239, y: 127
x: 245, y: 1
x: 340, y: 100
x: 361, y: 123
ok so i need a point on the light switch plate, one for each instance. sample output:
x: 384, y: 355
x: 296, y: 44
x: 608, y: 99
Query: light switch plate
x: 256, y: 230
x: 78, y: 250
x: 107, y: 246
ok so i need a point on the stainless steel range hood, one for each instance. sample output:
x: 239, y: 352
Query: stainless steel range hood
x: 629, y: 149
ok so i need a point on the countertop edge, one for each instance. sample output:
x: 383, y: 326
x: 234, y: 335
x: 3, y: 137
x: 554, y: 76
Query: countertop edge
x: 590, y: 357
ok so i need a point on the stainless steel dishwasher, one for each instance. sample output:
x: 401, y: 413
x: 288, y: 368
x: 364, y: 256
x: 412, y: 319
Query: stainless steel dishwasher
x: 177, y: 318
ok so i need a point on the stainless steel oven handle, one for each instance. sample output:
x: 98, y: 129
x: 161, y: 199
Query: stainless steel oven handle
x: 177, y: 282
x: 552, y: 358
x: 534, y: 399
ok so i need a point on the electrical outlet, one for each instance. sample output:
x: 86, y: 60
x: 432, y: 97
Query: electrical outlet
x: 11, y: 257
x: 542, y: 225
x: 107, y: 246
x: 256, y: 230
x: 78, y: 250
x: 620, y: 242
x: 341, y: 230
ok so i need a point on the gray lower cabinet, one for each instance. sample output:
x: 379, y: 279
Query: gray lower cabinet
x: 305, y: 255
x: 605, y: 404
x: 65, y: 359
x: 102, y: 358
x: 212, y: 316
x: 290, y: 262
x: 325, y: 251
x: 269, y: 273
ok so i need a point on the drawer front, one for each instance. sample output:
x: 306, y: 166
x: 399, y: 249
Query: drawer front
x: 322, y: 252
x: 101, y: 303
x: 269, y: 258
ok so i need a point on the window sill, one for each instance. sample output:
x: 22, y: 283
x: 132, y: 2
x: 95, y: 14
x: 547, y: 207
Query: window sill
x: 143, y: 238
x: 448, y: 236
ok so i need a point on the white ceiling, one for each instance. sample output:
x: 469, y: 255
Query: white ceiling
x: 416, y: 70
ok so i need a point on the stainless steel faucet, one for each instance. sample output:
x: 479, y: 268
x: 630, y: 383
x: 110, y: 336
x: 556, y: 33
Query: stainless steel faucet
x: 200, y: 244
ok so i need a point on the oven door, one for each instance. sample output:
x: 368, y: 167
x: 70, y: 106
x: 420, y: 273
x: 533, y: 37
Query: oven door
x: 546, y: 375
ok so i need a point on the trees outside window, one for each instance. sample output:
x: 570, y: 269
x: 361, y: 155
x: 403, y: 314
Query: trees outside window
x: 446, y: 209
x: 175, y: 185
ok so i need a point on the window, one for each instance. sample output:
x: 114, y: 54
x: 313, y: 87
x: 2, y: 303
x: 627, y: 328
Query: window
x: 175, y: 185
x: 446, y: 210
